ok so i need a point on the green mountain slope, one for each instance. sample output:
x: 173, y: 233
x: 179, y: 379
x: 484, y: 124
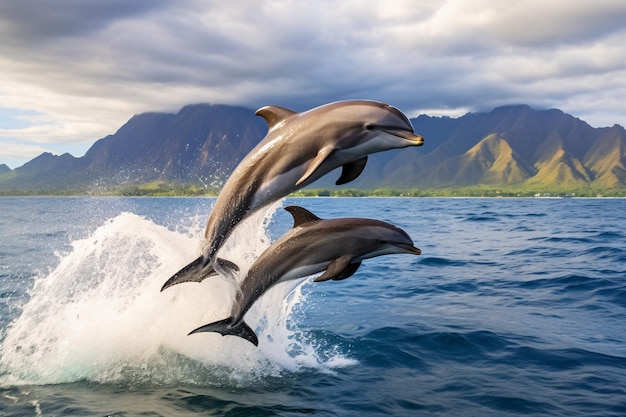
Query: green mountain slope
x: 198, y: 147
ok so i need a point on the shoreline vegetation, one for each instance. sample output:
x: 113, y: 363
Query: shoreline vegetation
x: 169, y: 189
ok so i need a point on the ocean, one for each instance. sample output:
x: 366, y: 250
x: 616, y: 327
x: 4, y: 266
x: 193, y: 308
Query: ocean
x: 515, y: 307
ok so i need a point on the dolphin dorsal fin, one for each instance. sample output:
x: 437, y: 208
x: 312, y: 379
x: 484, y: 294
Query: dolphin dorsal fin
x: 274, y: 115
x: 301, y: 215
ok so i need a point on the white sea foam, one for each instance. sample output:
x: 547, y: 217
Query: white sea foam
x: 100, y: 315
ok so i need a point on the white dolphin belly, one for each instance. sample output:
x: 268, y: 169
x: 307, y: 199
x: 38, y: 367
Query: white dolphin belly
x: 304, y: 271
x: 278, y: 186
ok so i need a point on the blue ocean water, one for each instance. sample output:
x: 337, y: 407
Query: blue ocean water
x: 515, y: 307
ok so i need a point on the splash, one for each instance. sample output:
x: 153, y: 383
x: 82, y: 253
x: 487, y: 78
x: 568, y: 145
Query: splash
x: 100, y: 315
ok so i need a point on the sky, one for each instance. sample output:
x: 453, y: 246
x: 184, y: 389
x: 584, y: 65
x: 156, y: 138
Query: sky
x: 74, y: 71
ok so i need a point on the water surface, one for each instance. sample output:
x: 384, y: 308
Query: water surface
x: 516, y: 306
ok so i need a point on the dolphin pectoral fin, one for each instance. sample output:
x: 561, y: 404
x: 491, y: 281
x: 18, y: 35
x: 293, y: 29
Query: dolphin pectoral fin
x: 336, y: 269
x: 315, y: 163
x: 348, y: 272
x: 351, y: 171
x: 196, y: 271
x: 227, y: 327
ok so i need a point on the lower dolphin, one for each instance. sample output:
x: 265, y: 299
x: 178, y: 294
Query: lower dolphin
x: 313, y: 245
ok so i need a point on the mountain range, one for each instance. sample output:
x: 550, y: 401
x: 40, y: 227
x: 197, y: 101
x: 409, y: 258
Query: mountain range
x: 510, y: 146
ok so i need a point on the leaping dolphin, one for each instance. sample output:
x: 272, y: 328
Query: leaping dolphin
x: 298, y: 149
x: 336, y: 246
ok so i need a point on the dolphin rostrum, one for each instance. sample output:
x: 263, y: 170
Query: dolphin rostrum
x: 298, y: 149
x: 336, y: 246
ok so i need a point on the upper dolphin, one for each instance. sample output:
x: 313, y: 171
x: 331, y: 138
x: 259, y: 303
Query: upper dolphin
x: 336, y: 246
x: 298, y: 149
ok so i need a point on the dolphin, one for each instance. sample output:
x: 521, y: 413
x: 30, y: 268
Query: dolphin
x: 298, y: 149
x: 335, y: 246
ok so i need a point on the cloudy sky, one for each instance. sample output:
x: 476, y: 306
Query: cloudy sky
x: 73, y: 71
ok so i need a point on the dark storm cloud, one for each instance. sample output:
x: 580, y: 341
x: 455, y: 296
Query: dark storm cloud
x: 44, y: 20
x: 84, y: 67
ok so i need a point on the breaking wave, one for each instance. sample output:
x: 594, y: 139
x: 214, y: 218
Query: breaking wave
x: 100, y: 316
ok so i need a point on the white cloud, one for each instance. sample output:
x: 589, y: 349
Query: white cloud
x: 80, y: 70
x: 15, y: 151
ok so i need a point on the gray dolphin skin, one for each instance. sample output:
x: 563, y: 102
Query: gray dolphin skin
x: 298, y: 149
x: 336, y: 246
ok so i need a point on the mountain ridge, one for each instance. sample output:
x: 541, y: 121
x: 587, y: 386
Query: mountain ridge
x: 510, y: 146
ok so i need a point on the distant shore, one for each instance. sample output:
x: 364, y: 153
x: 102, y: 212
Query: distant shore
x: 164, y: 189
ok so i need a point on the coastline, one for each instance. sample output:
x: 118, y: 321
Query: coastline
x: 173, y: 190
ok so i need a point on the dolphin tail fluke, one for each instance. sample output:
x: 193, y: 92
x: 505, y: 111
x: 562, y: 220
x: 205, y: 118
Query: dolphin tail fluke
x: 196, y: 271
x: 227, y: 327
